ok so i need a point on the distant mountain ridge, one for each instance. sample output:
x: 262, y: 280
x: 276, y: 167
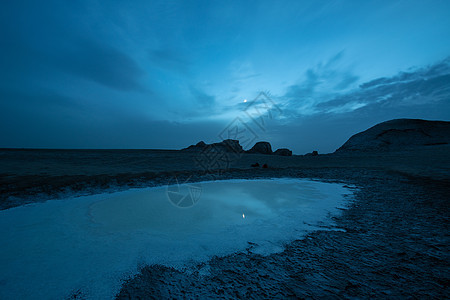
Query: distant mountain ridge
x: 399, y: 134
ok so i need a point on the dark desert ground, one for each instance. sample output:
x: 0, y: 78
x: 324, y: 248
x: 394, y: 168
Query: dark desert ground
x: 51, y: 173
x: 393, y: 243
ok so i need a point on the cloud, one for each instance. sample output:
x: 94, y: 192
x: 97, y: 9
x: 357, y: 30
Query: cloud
x: 346, y: 81
x: 435, y: 70
x: 315, y: 95
x: 202, y: 99
x: 42, y: 99
x: 193, y: 104
x: 101, y: 63
x: 53, y: 126
x: 50, y: 40
x: 427, y: 85
x: 242, y: 73
x: 330, y: 118
x: 46, y: 118
x: 319, y: 84
x: 168, y: 58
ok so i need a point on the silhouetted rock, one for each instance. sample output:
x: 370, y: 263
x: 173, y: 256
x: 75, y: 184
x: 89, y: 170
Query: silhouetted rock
x: 265, y: 166
x: 255, y: 165
x: 199, y: 146
x: 283, y: 152
x: 230, y: 145
x: 314, y: 153
x: 261, y: 148
x: 224, y: 146
x: 399, y: 134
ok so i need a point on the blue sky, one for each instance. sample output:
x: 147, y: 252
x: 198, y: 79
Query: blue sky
x: 166, y: 74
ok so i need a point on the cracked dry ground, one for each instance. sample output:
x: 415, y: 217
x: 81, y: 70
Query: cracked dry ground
x: 395, y: 244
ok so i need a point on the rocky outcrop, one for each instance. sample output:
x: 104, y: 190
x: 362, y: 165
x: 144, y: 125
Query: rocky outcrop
x: 199, y: 146
x: 283, y: 152
x: 399, y: 134
x: 266, y: 148
x: 261, y: 148
x: 228, y: 145
x: 314, y: 153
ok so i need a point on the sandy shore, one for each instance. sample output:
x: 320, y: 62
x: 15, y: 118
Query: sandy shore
x: 394, y: 240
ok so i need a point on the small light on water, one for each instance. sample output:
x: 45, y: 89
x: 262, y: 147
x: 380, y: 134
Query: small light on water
x: 245, y: 100
x: 243, y: 216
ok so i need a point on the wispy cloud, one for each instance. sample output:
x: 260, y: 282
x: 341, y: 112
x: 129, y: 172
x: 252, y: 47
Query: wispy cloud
x: 315, y: 95
x: 203, y: 99
x: 427, y: 85
x: 319, y: 84
x: 101, y: 63
x: 169, y: 58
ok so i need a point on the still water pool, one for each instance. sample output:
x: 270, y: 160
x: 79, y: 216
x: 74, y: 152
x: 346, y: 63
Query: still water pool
x: 90, y: 244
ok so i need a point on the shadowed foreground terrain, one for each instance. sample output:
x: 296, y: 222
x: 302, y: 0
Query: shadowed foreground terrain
x: 392, y: 240
x: 393, y: 243
x: 38, y: 175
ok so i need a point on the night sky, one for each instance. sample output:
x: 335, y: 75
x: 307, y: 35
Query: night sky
x: 167, y: 74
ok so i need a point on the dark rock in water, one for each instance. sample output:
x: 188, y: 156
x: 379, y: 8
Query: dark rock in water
x: 314, y: 153
x: 283, y: 152
x: 261, y: 148
x: 255, y: 165
x: 265, y: 166
x: 224, y: 146
x: 399, y: 134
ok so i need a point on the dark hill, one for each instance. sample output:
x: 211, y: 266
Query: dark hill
x: 399, y: 134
